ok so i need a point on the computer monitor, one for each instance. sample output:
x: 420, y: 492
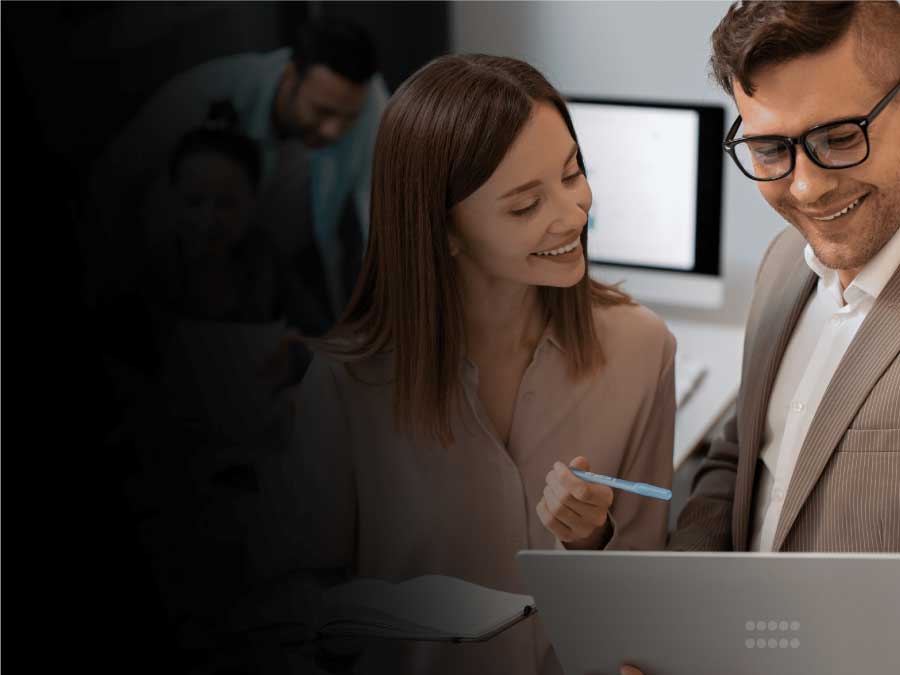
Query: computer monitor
x: 655, y: 170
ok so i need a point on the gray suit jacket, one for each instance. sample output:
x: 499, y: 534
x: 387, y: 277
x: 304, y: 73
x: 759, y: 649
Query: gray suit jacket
x: 845, y: 491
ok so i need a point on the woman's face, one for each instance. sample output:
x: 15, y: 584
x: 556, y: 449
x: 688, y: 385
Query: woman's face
x: 524, y: 224
x: 216, y: 201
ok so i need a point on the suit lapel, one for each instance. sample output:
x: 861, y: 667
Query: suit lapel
x: 875, y: 346
x: 767, y: 348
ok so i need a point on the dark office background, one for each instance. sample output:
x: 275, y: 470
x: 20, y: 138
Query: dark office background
x: 73, y: 74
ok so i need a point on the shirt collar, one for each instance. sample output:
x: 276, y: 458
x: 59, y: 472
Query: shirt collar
x: 878, y: 271
x: 870, y: 281
x: 549, y: 335
x: 470, y: 368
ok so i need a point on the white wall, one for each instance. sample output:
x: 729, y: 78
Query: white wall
x: 644, y: 50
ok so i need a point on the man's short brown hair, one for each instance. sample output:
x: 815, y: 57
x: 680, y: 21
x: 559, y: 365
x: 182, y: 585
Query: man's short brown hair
x: 753, y: 35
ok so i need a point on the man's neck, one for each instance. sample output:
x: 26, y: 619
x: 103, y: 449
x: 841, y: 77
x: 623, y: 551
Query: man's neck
x: 847, y: 276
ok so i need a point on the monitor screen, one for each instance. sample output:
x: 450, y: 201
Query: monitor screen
x: 655, y: 171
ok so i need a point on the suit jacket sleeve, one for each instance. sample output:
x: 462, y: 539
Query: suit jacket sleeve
x: 706, y: 520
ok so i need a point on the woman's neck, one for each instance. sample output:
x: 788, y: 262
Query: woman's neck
x: 502, y: 319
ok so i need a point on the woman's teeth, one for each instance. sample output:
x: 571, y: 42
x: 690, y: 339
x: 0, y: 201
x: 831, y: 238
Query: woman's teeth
x: 560, y: 250
x: 840, y: 213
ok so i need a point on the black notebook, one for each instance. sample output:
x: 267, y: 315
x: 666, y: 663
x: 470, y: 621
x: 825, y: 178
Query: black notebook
x: 432, y: 608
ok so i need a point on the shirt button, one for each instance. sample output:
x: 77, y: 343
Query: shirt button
x: 779, y: 494
x: 528, y: 395
x: 836, y: 321
x: 798, y: 407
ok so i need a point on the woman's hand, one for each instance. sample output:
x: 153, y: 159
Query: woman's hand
x: 574, y: 510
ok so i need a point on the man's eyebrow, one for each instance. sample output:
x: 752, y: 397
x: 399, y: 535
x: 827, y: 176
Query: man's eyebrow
x: 534, y: 183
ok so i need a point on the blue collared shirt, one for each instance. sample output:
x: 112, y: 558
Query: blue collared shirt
x: 250, y: 81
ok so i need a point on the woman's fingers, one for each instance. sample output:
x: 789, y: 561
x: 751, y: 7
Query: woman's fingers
x: 556, y: 527
x: 580, y: 463
x: 571, y: 508
x: 570, y: 487
x: 581, y: 517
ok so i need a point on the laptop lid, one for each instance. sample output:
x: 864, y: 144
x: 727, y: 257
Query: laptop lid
x: 713, y: 613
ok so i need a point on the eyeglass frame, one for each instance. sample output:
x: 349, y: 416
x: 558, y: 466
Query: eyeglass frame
x: 862, y: 122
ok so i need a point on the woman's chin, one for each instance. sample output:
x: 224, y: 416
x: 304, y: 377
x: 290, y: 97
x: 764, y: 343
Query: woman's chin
x: 564, y: 278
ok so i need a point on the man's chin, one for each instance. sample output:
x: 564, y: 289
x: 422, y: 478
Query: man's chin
x: 840, y: 256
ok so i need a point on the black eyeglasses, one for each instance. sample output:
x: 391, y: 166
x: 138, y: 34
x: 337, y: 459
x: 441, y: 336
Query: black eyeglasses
x: 835, y: 145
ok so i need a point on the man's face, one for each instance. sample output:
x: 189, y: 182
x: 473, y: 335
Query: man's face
x: 808, y: 91
x: 321, y: 106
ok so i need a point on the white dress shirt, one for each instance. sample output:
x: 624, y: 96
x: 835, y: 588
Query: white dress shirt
x: 826, y: 328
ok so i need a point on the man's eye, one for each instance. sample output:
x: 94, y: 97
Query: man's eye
x: 844, y: 140
x: 769, y: 154
x: 573, y: 177
x: 528, y: 209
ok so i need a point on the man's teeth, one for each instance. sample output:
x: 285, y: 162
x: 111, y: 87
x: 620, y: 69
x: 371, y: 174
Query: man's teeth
x: 560, y: 250
x: 844, y: 210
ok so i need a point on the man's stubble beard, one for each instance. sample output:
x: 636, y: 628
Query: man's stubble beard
x: 883, y: 221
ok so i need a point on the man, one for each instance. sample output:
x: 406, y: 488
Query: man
x: 811, y: 459
x: 314, y: 109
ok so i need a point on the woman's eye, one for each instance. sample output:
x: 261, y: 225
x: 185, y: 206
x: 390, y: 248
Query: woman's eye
x: 527, y: 209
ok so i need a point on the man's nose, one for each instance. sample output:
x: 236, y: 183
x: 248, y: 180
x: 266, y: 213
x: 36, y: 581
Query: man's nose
x: 810, y: 182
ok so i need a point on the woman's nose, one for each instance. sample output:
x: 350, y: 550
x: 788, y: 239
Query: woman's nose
x: 573, y: 208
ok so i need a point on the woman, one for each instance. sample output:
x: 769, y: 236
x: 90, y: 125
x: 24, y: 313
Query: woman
x: 475, y: 355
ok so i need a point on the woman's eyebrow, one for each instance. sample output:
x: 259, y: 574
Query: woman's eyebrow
x: 534, y: 183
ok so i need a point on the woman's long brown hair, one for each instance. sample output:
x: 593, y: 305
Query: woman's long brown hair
x: 443, y: 134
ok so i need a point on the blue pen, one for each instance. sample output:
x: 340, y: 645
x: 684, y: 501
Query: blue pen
x: 643, y: 489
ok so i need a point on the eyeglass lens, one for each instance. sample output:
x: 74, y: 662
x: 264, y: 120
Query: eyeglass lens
x: 834, y: 146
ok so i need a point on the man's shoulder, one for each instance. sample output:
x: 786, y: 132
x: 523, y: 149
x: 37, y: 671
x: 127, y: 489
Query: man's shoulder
x: 376, y: 101
x: 245, y: 61
x: 785, y: 249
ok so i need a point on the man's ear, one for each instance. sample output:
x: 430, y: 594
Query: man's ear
x: 291, y: 77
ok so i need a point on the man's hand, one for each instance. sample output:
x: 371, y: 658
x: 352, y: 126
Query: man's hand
x: 574, y: 510
x: 629, y: 670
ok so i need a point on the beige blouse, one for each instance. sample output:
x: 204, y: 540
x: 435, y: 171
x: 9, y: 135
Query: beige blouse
x: 355, y: 494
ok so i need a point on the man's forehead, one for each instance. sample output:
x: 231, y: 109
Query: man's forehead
x: 808, y: 90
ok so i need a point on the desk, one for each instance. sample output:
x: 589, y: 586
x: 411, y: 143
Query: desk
x: 720, y: 348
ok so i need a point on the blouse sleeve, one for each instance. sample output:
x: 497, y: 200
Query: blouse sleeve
x: 640, y: 522
x: 308, y: 491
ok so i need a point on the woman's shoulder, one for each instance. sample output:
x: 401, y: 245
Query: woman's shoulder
x: 633, y: 328
x: 339, y: 359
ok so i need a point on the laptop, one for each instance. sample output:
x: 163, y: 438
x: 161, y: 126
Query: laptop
x: 671, y: 613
